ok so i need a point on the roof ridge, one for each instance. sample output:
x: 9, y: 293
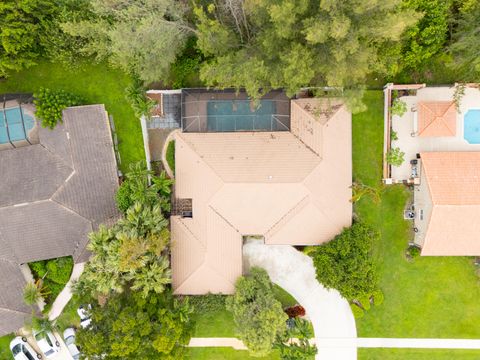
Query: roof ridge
x: 287, y: 214
x: 14, y: 311
x: 228, y: 222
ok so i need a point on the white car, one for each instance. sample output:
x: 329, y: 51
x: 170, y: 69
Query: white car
x: 82, y: 311
x: 47, y: 343
x: 22, y: 351
x: 69, y: 337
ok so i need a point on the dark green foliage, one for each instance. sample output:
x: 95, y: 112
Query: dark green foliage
x: 136, y: 188
x: 345, y: 263
x: 55, y: 274
x: 50, y: 104
x: 170, y: 155
x: 130, y: 326
x: 428, y: 36
x: 466, y: 45
x: 301, y: 349
x: 187, y: 66
x: 208, y: 303
x: 259, y: 317
x: 135, y: 95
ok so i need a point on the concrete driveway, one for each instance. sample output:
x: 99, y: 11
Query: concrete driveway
x: 329, y: 312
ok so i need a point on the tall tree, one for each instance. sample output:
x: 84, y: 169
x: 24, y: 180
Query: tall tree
x: 141, y: 37
x: 466, y: 46
x: 259, y: 317
x: 265, y: 44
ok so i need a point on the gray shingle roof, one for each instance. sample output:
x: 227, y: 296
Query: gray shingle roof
x: 52, y: 195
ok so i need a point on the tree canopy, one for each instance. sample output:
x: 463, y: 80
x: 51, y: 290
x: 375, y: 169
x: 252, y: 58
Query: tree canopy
x: 466, y: 46
x: 130, y: 326
x: 265, y: 44
x: 259, y: 317
x: 141, y: 37
x: 346, y: 263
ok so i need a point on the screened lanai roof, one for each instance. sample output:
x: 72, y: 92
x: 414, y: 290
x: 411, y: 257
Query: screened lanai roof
x: 228, y: 110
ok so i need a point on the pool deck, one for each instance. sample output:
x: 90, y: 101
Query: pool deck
x: 411, y: 145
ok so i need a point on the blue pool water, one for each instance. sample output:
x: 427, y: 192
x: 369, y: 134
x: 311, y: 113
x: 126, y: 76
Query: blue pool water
x: 238, y: 115
x: 13, y: 117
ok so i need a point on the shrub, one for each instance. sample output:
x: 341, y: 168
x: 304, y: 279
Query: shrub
x: 398, y: 107
x: 378, y: 298
x: 395, y: 157
x: 345, y: 263
x: 393, y: 135
x: 50, y: 104
x: 208, y: 303
x: 123, y: 197
x: 38, y: 268
x: 295, y: 311
x: 413, y: 251
x: 170, y: 155
x: 365, y: 302
x: 59, y: 270
x: 135, y: 95
x: 357, y: 311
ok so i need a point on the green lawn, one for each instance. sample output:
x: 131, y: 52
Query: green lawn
x: 69, y: 316
x: 226, y: 354
x: 431, y: 297
x: 214, y: 324
x: 96, y: 83
x: 417, y: 354
x: 5, y: 353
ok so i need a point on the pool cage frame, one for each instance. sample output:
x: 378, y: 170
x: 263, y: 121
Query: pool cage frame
x: 194, y: 114
x: 20, y: 98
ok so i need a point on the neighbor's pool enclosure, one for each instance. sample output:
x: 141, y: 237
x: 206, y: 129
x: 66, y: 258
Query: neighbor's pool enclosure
x: 204, y: 110
x: 16, y: 120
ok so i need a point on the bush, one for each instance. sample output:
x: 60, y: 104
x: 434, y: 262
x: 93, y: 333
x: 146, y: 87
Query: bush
x: 170, y: 155
x: 398, y: 107
x: 210, y: 303
x: 413, y: 251
x: 395, y: 157
x: 365, y: 302
x: 50, y: 104
x: 55, y: 274
x: 345, y: 263
x: 357, y: 311
x: 378, y: 298
x: 123, y: 197
x: 295, y: 311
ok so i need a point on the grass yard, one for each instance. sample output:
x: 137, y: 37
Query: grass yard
x: 214, y: 324
x: 417, y: 354
x: 431, y: 297
x: 226, y: 354
x: 5, y: 353
x: 69, y: 316
x: 96, y: 83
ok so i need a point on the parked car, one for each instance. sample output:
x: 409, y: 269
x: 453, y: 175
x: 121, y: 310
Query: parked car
x: 82, y: 311
x: 69, y: 337
x: 47, y: 342
x: 21, y: 350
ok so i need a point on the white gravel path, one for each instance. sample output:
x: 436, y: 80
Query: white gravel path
x: 329, y: 312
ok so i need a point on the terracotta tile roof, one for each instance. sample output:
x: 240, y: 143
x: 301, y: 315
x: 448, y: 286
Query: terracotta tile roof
x: 267, y: 184
x: 454, y: 184
x: 437, y: 118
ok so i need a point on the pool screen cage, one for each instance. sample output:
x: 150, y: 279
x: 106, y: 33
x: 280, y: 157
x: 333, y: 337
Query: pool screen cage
x: 13, y: 101
x: 229, y: 110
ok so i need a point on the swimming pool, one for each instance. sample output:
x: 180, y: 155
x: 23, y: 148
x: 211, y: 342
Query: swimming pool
x: 13, y: 117
x: 240, y: 115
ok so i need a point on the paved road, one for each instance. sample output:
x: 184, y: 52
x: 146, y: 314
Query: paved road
x: 329, y: 312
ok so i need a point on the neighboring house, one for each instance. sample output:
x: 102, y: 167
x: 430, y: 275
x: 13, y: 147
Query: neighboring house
x: 448, y: 204
x: 440, y: 137
x: 280, y: 172
x: 53, y: 192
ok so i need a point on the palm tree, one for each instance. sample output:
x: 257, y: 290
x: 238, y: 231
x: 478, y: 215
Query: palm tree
x: 153, y: 277
x: 34, y: 292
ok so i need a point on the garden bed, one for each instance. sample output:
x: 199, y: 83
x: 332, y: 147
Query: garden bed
x: 54, y: 275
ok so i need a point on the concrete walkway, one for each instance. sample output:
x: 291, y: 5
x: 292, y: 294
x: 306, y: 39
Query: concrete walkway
x: 358, y: 342
x: 329, y: 313
x: 66, y: 294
